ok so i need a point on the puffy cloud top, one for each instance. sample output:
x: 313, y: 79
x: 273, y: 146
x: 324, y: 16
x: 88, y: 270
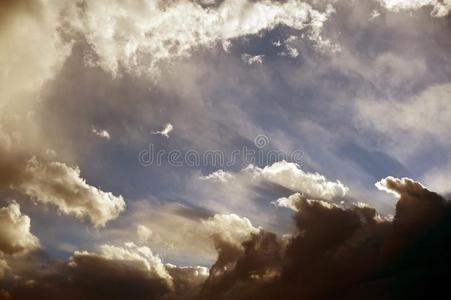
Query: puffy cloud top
x: 230, y: 228
x: 311, y: 185
x: 15, y: 235
x: 139, y: 257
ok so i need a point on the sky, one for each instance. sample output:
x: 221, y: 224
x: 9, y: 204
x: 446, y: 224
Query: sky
x: 225, y: 149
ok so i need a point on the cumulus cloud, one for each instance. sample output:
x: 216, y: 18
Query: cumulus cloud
x: 345, y: 253
x: 397, y: 186
x: 251, y: 190
x: 140, y: 258
x: 15, y: 234
x: 111, y: 273
x: 16, y: 239
x: 230, y: 228
x: 311, y: 185
x: 198, y: 230
x: 60, y: 185
x: 289, y: 202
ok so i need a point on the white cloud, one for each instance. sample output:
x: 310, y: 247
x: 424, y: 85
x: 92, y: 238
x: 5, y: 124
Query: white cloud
x: 289, y: 202
x: 290, y: 45
x: 165, y: 131
x: 15, y: 235
x: 60, y: 185
x: 397, y: 186
x: 218, y: 176
x: 102, y: 133
x: 441, y: 8
x: 292, y: 202
x: 252, y: 59
x: 311, y: 185
x: 230, y: 227
x: 374, y: 14
x: 138, y: 36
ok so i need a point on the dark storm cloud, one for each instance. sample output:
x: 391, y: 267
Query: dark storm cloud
x: 336, y: 254
x: 92, y: 278
x: 347, y: 254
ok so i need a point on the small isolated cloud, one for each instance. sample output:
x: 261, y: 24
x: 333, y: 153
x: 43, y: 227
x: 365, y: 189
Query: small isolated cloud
x: 374, y: 14
x: 290, y: 46
x: 218, y: 176
x: 252, y: 59
x: 165, y: 131
x: 101, y: 133
x: 60, y: 185
x: 277, y: 43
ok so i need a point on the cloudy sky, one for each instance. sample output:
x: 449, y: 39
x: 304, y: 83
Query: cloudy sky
x: 225, y: 149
